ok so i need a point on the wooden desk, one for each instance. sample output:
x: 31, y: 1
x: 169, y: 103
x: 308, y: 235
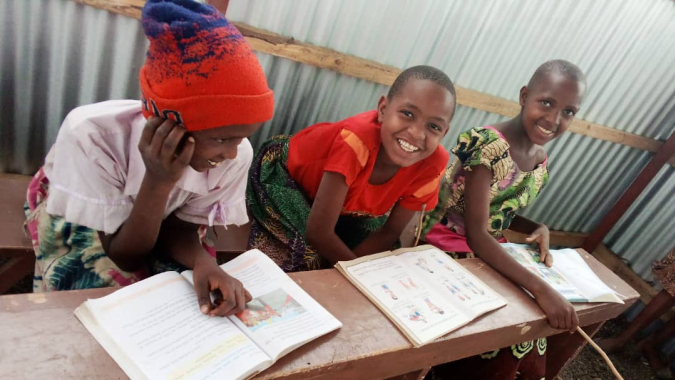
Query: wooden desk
x: 41, y: 338
x: 15, y: 246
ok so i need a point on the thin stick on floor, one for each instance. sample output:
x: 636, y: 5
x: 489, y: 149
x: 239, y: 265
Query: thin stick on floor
x: 419, y: 225
x: 601, y: 352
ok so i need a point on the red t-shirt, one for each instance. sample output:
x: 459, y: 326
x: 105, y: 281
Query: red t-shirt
x: 349, y: 147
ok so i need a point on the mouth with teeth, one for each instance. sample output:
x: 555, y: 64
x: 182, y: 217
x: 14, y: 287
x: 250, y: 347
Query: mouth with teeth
x: 406, y: 146
x: 544, y: 130
x: 214, y: 163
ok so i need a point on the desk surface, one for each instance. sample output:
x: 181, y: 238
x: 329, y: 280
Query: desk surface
x: 41, y: 338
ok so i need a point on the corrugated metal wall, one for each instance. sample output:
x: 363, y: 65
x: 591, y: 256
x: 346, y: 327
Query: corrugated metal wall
x: 57, y: 55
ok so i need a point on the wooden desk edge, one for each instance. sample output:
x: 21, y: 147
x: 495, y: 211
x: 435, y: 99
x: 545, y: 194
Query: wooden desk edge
x: 396, y: 359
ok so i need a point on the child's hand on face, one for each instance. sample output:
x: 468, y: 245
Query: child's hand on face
x: 541, y: 236
x: 560, y: 312
x: 208, y: 277
x: 159, y: 146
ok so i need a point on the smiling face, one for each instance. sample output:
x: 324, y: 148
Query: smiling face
x: 549, y: 106
x: 414, y: 121
x: 213, y: 146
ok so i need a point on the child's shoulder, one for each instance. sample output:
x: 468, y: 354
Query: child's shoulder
x: 361, y: 128
x: 364, y: 126
x: 115, y: 119
x: 109, y: 115
x: 484, y: 134
x: 480, y: 138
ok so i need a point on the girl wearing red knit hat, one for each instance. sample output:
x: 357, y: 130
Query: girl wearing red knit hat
x: 129, y: 186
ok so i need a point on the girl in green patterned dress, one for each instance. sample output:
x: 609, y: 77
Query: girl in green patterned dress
x: 499, y: 170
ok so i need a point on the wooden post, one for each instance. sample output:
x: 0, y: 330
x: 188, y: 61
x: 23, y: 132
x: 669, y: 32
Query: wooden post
x: 662, y: 156
x: 20, y: 263
x: 220, y: 5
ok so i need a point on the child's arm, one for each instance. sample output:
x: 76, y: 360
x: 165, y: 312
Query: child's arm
x: 384, y: 238
x: 134, y: 241
x: 537, y: 232
x: 180, y: 240
x: 560, y: 312
x: 323, y: 217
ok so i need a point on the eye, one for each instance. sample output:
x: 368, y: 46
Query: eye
x: 407, y: 113
x: 219, y: 140
x: 569, y: 113
x: 546, y: 103
x: 436, y: 127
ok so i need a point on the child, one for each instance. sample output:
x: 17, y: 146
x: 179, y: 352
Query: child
x: 120, y: 198
x: 336, y: 191
x: 500, y: 169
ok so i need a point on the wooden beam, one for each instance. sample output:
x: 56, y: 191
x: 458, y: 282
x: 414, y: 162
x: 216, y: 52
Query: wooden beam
x: 129, y: 8
x: 665, y: 153
x: 287, y: 47
x: 616, y: 265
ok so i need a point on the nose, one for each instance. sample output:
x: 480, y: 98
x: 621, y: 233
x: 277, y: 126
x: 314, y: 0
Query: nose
x: 417, y: 131
x: 554, y: 117
x: 230, y: 153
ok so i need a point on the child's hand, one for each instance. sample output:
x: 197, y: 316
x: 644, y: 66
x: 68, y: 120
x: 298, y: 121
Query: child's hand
x: 560, y: 312
x: 208, y: 277
x: 541, y: 236
x: 159, y: 147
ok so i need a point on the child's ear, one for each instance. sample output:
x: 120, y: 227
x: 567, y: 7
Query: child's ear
x: 381, y: 106
x: 523, y: 95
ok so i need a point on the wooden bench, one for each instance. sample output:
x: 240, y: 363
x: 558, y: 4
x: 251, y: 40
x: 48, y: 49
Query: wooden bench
x: 15, y: 247
x: 41, y: 335
x: 17, y: 251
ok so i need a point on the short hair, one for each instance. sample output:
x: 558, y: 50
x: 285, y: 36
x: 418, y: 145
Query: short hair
x: 426, y: 73
x: 558, y: 66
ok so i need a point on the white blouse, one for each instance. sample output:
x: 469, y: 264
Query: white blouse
x: 95, y: 171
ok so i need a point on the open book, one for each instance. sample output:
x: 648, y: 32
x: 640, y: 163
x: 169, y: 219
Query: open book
x: 154, y: 329
x: 569, y: 275
x: 422, y: 290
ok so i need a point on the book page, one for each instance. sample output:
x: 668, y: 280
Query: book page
x: 417, y: 308
x: 529, y: 258
x: 281, y: 316
x: 157, y: 323
x: 570, y: 263
x: 458, y: 285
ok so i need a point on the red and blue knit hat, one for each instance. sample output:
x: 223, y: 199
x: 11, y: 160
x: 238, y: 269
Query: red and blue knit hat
x: 199, y: 70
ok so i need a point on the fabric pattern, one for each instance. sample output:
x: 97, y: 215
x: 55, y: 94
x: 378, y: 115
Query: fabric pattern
x: 280, y: 209
x: 70, y: 256
x: 664, y: 272
x: 524, y: 361
x: 511, y: 189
